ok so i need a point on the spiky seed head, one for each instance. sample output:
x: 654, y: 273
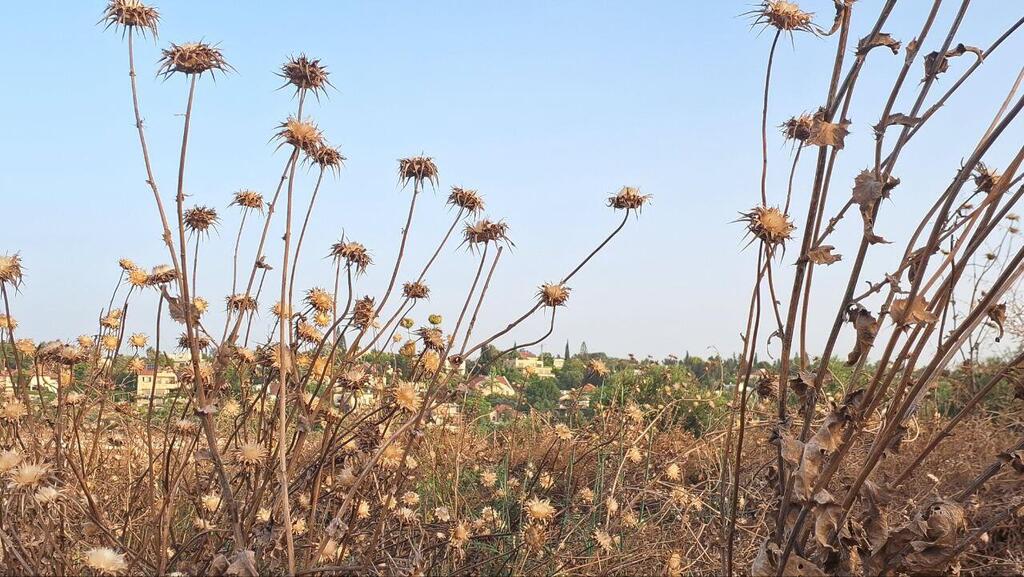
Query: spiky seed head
x: 769, y: 224
x: 553, y: 295
x: 799, y: 127
x: 985, y: 178
x: 320, y: 300
x: 485, y: 231
x: 407, y: 397
x: 539, y: 510
x: 597, y: 368
x: 417, y: 169
x: 106, y: 561
x: 248, y: 199
x: 162, y: 274
x: 245, y: 355
x: 327, y: 157
x: 138, y: 277
x: 783, y: 15
x: 138, y: 340
x: 136, y: 366
x: 466, y: 199
x: 302, y: 134
x: 201, y: 342
x: 25, y: 347
x: 109, y: 342
x: 200, y: 304
x: 364, y: 313
x: 10, y: 269
x: 308, y: 332
x: 9, y: 458
x: 408, y: 350
x: 131, y: 15
x: 353, y: 253
x: 432, y: 338
x: 250, y: 455
x: 13, y: 411
x: 8, y: 323
x: 28, y: 476
x: 406, y: 323
x: 241, y: 303
x: 126, y: 264
x: 415, y: 290
x: 435, y: 320
x: 192, y: 58
x: 200, y: 219
x: 628, y: 198
x: 305, y: 74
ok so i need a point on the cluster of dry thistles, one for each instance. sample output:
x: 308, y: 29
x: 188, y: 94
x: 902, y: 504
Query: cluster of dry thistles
x: 193, y: 58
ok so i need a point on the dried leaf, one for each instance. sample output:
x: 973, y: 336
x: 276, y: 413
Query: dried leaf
x: 824, y: 133
x: 1014, y: 459
x: 243, y: 564
x: 866, y: 326
x: 766, y: 563
x: 866, y: 188
x: 935, y: 63
x: 912, y: 314
x: 822, y: 254
x: 997, y: 314
x: 878, y: 39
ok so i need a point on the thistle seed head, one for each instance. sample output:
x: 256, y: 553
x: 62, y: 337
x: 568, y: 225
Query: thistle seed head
x: 553, y: 295
x: 628, y: 198
x: 305, y: 74
x: 418, y: 169
x: 466, y: 199
x: 353, y: 253
x: 200, y: 219
x: 10, y: 269
x: 415, y: 290
x: 131, y: 15
x: 302, y: 134
x: 769, y: 224
x: 192, y: 58
x: 248, y: 199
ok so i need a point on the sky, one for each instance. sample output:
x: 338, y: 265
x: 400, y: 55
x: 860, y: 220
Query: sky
x: 546, y: 108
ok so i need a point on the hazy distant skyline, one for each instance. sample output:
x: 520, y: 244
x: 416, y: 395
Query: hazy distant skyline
x: 546, y: 108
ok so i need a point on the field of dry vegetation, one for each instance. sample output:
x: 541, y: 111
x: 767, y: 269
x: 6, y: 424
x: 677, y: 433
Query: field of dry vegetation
x: 351, y: 444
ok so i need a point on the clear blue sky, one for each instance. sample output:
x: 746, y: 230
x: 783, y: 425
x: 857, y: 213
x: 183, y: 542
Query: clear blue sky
x: 545, y: 107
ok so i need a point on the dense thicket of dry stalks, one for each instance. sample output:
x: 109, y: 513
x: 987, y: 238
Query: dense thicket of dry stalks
x: 349, y: 443
x: 832, y: 513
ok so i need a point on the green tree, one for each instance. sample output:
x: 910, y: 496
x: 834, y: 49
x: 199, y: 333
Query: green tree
x: 571, y: 374
x: 542, y: 394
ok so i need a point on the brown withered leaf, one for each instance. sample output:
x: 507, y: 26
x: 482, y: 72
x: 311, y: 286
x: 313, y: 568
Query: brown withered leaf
x: 997, y: 314
x: 878, y: 39
x: 826, y: 523
x: 896, y: 119
x: 866, y: 188
x: 803, y: 383
x: 792, y: 448
x: 824, y: 133
x: 924, y: 544
x: 1014, y: 459
x: 866, y: 326
x: 936, y: 63
x: 243, y: 564
x: 766, y: 563
x: 822, y: 254
x: 904, y: 313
